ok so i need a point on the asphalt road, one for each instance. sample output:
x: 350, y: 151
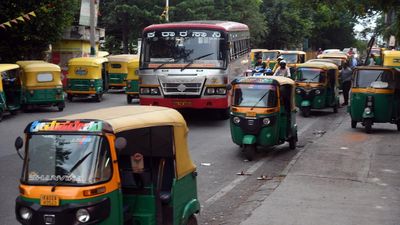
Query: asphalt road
x: 220, y: 189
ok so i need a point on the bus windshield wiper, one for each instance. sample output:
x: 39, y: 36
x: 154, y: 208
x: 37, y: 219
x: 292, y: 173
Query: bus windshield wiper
x: 259, y: 100
x: 161, y: 65
x: 192, y: 61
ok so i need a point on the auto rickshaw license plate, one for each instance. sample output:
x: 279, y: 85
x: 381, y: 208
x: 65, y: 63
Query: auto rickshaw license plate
x: 182, y: 103
x: 251, y: 114
x: 49, y: 200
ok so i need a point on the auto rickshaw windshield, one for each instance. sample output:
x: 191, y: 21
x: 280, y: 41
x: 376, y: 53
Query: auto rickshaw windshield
x: 255, y: 95
x: 67, y: 159
x: 312, y: 75
x: 290, y: 58
x: 269, y: 55
x: 366, y: 78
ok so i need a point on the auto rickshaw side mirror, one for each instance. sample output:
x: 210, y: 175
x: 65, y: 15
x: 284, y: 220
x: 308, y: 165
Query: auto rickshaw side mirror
x: 120, y: 143
x: 19, y: 143
x: 229, y: 87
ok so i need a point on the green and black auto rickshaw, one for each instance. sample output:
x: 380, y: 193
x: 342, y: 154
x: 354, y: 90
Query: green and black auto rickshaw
x: 10, y: 89
x: 263, y: 113
x: 317, y: 87
x: 375, y: 96
x: 124, y: 165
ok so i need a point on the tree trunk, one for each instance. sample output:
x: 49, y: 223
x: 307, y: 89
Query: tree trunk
x: 125, y: 34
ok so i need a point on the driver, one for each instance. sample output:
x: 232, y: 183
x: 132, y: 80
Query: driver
x: 260, y: 63
x: 283, y: 70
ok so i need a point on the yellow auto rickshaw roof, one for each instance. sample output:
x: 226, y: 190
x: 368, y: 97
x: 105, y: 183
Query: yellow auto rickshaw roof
x: 333, y: 55
x: 41, y: 66
x: 391, y: 53
x: 374, y: 68
x: 322, y: 60
x: 123, y: 58
x: 321, y: 65
x: 87, y: 61
x: 259, y: 49
x: 293, y: 52
x: 23, y: 63
x: 5, y: 67
x: 124, y: 118
x: 102, y: 54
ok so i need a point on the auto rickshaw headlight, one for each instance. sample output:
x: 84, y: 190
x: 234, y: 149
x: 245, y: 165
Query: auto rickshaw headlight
x: 298, y: 91
x: 25, y: 213
x: 317, y: 92
x: 31, y: 92
x: 82, y: 215
x: 367, y: 110
x: 236, y: 120
x: 266, y: 121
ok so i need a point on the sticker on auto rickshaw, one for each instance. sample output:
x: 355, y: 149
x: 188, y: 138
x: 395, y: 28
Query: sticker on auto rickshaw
x: 254, y: 80
x: 92, y: 126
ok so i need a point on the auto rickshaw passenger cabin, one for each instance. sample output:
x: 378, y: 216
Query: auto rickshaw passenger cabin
x: 118, y: 69
x: 41, y: 84
x: 119, y: 166
x: 340, y: 57
x: 391, y: 59
x: 10, y: 89
x: 293, y: 59
x: 132, y: 81
x: 87, y: 76
x: 268, y: 56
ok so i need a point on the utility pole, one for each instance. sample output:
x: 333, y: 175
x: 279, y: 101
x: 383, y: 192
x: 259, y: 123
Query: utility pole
x: 92, y: 28
x: 166, y: 10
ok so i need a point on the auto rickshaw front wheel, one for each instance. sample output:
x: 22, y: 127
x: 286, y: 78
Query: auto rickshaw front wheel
x: 292, y: 143
x: 353, y: 124
x: 368, y: 125
x: 98, y: 97
x: 192, y: 220
x: 249, y: 151
x: 306, y: 111
x: 70, y: 97
x: 398, y: 125
x: 129, y: 99
x: 1, y: 115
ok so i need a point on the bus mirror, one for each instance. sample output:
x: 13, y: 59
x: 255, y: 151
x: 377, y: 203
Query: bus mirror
x: 19, y: 142
x: 229, y: 87
x: 120, y: 143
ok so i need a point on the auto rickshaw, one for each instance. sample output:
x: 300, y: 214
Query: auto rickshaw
x: 338, y: 57
x: 124, y: 165
x: 268, y: 56
x: 375, y: 96
x: 317, y: 87
x: 10, y: 89
x: 132, y: 81
x: 41, y: 85
x: 87, y: 77
x: 391, y: 59
x: 263, y: 113
x: 293, y: 59
x: 118, y: 66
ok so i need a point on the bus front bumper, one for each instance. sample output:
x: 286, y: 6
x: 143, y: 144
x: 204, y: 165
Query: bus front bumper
x: 193, y: 103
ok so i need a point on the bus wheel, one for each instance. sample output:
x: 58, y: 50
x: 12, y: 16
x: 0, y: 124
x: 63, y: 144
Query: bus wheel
x: 129, y: 99
x: 223, y: 114
x: 249, y: 151
x: 368, y: 125
x: 353, y: 124
x: 192, y: 220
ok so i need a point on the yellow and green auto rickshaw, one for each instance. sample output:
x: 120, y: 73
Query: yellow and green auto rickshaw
x: 132, y: 81
x: 87, y: 76
x: 263, y: 113
x: 375, y: 96
x: 317, y: 87
x: 114, y: 166
x: 254, y: 53
x: 118, y: 67
x: 339, y: 58
x: 391, y: 59
x: 293, y: 59
x: 268, y: 56
x: 10, y: 89
x: 41, y: 85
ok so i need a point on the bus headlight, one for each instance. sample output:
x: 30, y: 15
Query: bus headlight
x: 25, y: 213
x: 154, y: 91
x: 144, y: 91
x: 266, y: 121
x: 317, y: 92
x: 82, y: 215
x: 210, y: 91
x: 236, y: 120
x: 220, y: 91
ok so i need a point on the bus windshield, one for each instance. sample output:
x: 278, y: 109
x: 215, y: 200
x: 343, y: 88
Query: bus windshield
x: 310, y: 75
x: 184, y: 48
x: 367, y: 78
x: 255, y: 95
x: 55, y: 159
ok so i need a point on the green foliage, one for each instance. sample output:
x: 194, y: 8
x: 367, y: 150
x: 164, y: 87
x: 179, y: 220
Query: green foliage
x: 30, y: 39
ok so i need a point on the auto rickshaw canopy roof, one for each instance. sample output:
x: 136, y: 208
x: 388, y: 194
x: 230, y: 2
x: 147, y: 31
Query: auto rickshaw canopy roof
x: 292, y: 52
x: 123, y: 58
x: 24, y: 63
x: 318, y: 64
x: 333, y: 55
x: 41, y: 67
x: 124, y: 118
x: 324, y: 60
x: 391, y: 58
x: 6, y: 67
x: 87, y: 61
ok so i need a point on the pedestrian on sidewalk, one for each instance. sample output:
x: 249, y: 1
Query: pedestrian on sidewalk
x: 345, y: 77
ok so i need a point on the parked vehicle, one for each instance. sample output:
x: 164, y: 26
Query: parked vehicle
x: 41, y: 85
x: 263, y: 113
x: 317, y: 87
x: 375, y: 96
x: 125, y: 165
x: 87, y: 77
x: 118, y: 69
x: 10, y: 89
x: 132, y: 81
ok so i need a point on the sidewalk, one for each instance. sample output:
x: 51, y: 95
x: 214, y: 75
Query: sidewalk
x: 345, y: 178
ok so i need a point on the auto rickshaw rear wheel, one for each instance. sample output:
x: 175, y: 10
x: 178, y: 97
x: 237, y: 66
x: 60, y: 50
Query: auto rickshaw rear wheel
x: 70, y: 97
x: 292, y: 143
x: 368, y: 125
x: 98, y: 97
x: 192, y: 220
x: 306, y: 111
x: 249, y: 151
x: 1, y: 116
x: 13, y: 112
x: 353, y: 124
x: 335, y: 108
x: 398, y: 125
x: 129, y: 99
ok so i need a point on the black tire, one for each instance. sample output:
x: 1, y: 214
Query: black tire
x: 98, y: 97
x: 306, y: 111
x: 249, y: 152
x: 13, y: 112
x: 353, y: 124
x: 61, y: 107
x: 192, y: 220
x: 70, y: 97
x: 1, y: 116
x: 223, y: 114
x: 368, y: 125
x: 398, y: 125
x: 292, y: 143
x: 335, y: 108
x: 129, y: 99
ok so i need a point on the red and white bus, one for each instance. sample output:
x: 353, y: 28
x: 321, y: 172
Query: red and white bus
x: 189, y: 64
